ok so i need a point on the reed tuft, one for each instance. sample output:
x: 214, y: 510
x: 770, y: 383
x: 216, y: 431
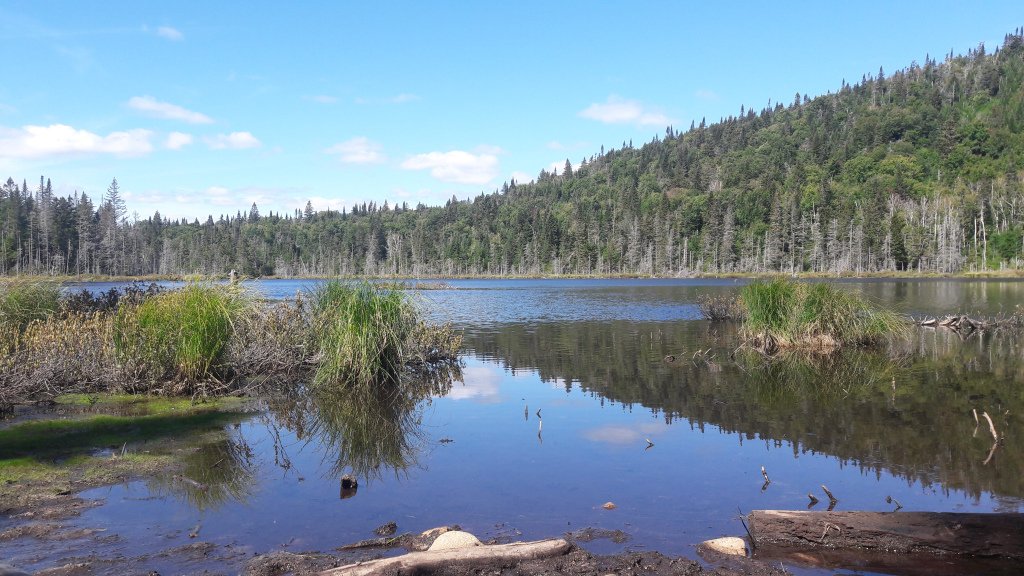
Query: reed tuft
x: 361, y: 333
x: 782, y: 313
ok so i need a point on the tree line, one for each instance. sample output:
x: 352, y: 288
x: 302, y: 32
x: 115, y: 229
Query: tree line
x: 918, y: 170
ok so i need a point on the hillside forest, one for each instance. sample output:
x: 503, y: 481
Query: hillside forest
x: 920, y: 169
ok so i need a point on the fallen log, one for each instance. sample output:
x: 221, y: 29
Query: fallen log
x: 861, y: 561
x: 426, y: 562
x: 969, y: 534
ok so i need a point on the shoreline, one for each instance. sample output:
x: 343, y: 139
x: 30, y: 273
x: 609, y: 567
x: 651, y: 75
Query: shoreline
x: 1014, y: 274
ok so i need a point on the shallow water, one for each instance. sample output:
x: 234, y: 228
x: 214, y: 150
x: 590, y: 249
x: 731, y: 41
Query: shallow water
x: 589, y: 356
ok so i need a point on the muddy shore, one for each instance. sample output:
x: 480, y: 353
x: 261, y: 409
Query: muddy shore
x: 46, y: 527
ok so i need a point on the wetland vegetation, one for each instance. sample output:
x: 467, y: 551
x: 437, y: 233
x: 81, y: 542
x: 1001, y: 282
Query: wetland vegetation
x: 207, y: 339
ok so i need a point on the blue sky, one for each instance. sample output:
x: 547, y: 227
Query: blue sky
x: 203, y: 108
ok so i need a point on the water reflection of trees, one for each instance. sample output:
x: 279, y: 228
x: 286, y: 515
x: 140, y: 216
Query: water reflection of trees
x: 221, y: 469
x: 365, y: 432
x: 910, y: 414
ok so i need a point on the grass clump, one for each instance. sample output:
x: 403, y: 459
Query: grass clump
x: 781, y: 313
x: 23, y: 302
x: 181, y: 335
x: 361, y: 333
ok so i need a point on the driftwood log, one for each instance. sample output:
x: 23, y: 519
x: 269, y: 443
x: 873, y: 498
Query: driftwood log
x: 967, y: 534
x: 426, y: 562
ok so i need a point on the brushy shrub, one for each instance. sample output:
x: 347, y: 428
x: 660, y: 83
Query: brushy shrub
x: 361, y: 333
x: 782, y: 313
x: 720, y: 307
x: 180, y: 336
x: 271, y: 343
x: 86, y: 302
x: 61, y: 354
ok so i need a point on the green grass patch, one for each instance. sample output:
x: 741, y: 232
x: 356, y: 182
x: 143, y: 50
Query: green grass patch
x: 140, y: 405
x: 781, y: 313
x: 361, y: 332
x: 180, y: 335
x: 50, y: 439
x: 21, y: 303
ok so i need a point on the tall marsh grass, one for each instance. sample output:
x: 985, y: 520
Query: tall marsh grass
x: 180, y: 335
x: 361, y: 333
x: 782, y: 313
x: 22, y: 302
x: 208, y: 339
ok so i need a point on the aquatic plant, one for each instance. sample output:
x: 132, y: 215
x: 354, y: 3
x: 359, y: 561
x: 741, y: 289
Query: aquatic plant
x: 782, y: 313
x: 212, y: 339
x: 22, y: 302
x: 180, y: 336
x: 361, y: 333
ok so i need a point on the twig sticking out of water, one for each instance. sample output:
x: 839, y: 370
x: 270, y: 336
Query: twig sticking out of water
x: 891, y: 500
x: 991, y: 426
x: 649, y: 444
x: 813, y: 499
x: 764, y: 473
x: 831, y: 498
x: 753, y: 543
x: 975, y: 412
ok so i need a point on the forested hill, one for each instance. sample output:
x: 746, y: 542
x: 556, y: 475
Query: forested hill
x: 919, y: 169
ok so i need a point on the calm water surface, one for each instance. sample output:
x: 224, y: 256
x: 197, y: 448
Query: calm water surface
x: 589, y: 356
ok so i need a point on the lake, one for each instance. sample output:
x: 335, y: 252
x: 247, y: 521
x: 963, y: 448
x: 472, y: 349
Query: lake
x: 565, y: 401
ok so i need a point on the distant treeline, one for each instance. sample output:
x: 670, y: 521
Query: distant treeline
x: 917, y: 170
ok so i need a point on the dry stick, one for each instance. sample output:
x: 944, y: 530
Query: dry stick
x: 891, y: 500
x: 828, y: 493
x: 753, y: 543
x: 991, y: 426
x: 813, y: 499
x: 764, y: 473
x: 975, y: 412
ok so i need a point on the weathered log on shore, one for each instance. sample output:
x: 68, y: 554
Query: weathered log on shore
x: 886, y: 562
x: 426, y: 562
x: 971, y: 534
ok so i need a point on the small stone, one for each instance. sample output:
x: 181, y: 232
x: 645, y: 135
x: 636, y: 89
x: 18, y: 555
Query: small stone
x: 454, y: 539
x: 609, y: 506
x: 730, y: 546
x: 435, y: 532
x: 386, y: 529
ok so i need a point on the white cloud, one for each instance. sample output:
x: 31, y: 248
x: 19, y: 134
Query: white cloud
x: 620, y: 111
x: 624, y: 435
x: 233, y: 141
x: 558, y: 166
x: 61, y: 139
x: 320, y: 204
x: 480, y: 384
x: 169, y: 33
x: 177, y: 140
x: 322, y: 99
x: 521, y: 177
x: 157, y: 109
x: 358, y: 150
x: 456, y: 166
